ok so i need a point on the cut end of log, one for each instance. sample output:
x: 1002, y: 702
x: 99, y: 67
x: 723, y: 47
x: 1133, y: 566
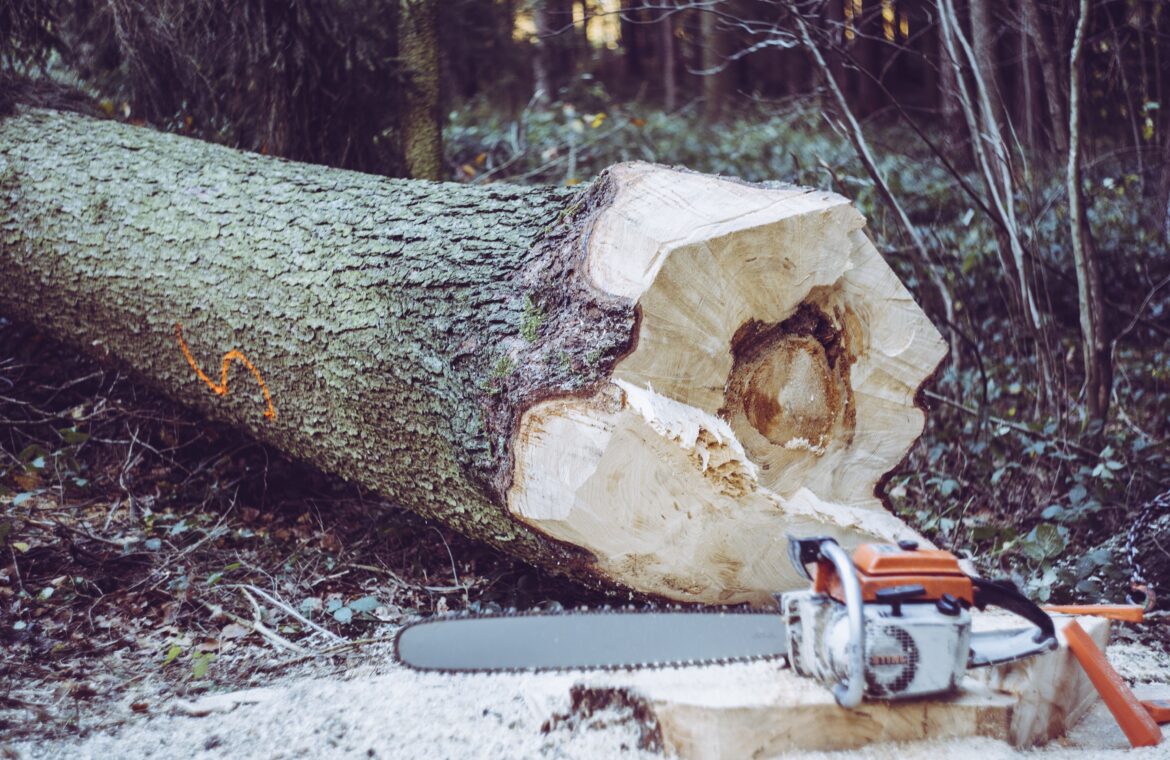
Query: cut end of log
x: 770, y: 389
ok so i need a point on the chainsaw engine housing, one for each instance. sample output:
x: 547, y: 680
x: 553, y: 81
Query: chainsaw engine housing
x: 911, y: 649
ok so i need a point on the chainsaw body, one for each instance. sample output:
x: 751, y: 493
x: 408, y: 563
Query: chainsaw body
x: 893, y: 622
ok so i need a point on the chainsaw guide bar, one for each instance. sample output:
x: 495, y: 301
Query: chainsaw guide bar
x: 607, y: 639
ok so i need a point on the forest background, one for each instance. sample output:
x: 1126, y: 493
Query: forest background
x: 1013, y: 160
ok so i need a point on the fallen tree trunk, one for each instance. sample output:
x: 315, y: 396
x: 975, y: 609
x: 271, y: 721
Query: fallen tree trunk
x: 644, y: 384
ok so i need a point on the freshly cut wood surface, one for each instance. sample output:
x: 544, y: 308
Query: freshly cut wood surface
x: 770, y: 389
x: 771, y: 308
x: 646, y: 384
x: 763, y: 710
x: 664, y: 497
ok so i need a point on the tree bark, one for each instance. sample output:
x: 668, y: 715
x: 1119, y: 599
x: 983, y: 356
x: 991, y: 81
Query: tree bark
x: 645, y: 384
x: 422, y: 118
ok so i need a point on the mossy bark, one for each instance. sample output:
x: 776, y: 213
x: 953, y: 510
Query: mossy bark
x: 422, y: 135
x: 399, y: 326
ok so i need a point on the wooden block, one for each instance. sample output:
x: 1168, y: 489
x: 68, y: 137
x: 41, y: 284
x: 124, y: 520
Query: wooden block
x: 1052, y: 691
x: 763, y: 709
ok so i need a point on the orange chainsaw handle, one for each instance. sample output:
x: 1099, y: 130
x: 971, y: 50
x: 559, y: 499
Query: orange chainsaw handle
x: 1126, y: 613
x: 1137, y: 723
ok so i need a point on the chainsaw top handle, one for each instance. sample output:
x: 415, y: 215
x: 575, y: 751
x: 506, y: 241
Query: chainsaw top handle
x: 1005, y: 595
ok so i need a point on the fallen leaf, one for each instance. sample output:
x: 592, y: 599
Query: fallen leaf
x: 207, y: 645
x: 200, y: 666
x: 233, y: 631
x: 28, y: 481
x: 365, y: 604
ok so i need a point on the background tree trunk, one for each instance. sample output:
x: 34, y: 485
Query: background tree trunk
x: 1025, y: 99
x: 1095, y: 348
x: 646, y: 384
x: 554, y: 62
x: 666, y: 50
x: 630, y: 32
x: 835, y: 34
x: 948, y: 103
x: 869, y: 56
x: 717, y: 73
x: 983, y: 43
x: 1163, y: 204
x: 1047, y: 52
x: 422, y: 118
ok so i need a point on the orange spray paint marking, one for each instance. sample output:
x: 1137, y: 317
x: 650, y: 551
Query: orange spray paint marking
x: 221, y: 388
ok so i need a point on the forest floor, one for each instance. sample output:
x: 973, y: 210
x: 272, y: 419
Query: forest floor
x: 170, y: 588
x: 354, y: 701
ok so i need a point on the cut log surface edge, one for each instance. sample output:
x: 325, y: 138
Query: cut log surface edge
x: 647, y: 384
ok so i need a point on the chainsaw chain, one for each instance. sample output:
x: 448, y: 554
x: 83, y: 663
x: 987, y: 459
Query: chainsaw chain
x: 584, y: 612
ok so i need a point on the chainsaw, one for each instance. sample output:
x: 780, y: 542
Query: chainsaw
x: 890, y: 622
